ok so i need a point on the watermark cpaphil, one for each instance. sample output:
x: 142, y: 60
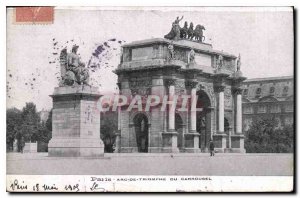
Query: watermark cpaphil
x: 112, y: 102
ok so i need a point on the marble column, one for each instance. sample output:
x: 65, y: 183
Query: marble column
x: 221, y: 109
x: 170, y: 137
x: 171, y: 111
x: 118, y: 134
x: 193, y: 110
x: 238, y: 111
x: 192, y: 137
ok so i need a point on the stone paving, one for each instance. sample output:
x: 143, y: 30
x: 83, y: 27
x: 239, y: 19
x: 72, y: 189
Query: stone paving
x: 223, y: 164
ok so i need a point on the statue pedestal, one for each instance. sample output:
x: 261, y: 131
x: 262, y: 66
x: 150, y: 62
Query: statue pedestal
x: 220, y: 142
x: 75, y: 123
x: 170, y: 142
x: 192, y: 142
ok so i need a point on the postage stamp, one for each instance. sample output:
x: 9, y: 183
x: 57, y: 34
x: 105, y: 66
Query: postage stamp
x: 34, y: 15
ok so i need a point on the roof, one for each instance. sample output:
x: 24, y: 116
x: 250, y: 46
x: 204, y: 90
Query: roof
x: 203, y: 47
x: 269, y: 79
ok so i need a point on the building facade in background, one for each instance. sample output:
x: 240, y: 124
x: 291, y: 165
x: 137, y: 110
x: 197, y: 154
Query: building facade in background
x: 267, y: 98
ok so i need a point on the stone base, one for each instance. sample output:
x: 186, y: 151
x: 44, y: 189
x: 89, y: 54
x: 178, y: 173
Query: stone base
x: 219, y: 150
x: 192, y: 140
x: 234, y: 150
x: 227, y: 150
x: 155, y: 149
x: 129, y: 150
x: 204, y: 150
x: 192, y: 150
x: 170, y: 150
x: 30, y: 147
x: 237, y: 150
x: 75, y: 147
x: 170, y: 142
x: 75, y: 123
x: 220, y: 141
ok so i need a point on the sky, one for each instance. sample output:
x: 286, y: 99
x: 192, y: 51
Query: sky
x: 263, y: 36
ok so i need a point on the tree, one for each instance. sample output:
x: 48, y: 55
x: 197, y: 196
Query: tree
x: 45, y: 129
x: 49, y: 121
x: 13, y: 123
x: 264, y: 136
x: 31, y: 122
x: 44, y: 134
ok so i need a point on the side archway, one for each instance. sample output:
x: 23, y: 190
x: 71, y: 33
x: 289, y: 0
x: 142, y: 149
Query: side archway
x: 204, y: 119
x: 141, y: 128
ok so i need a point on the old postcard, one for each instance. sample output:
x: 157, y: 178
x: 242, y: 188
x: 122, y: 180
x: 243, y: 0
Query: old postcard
x: 150, y: 99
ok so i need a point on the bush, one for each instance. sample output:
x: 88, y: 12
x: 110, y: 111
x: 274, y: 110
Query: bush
x: 265, y: 137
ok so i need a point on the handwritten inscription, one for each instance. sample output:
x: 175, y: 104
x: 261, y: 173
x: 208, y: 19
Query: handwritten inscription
x: 94, y: 183
x: 96, y: 186
x: 17, y: 186
x: 72, y: 188
x: 22, y: 186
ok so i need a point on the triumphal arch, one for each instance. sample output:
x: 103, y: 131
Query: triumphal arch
x: 180, y: 64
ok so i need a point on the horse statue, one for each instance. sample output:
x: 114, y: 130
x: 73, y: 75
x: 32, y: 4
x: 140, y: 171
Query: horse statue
x: 184, y: 30
x: 198, y: 33
x: 190, y: 31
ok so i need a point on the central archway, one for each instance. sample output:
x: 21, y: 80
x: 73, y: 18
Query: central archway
x: 142, y: 132
x: 204, y: 120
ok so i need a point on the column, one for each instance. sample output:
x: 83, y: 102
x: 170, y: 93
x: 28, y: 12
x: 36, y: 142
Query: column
x: 238, y: 111
x: 118, y: 134
x: 170, y: 137
x: 192, y: 85
x: 221, y: 109
x: 172, y: 107
x: 192, y: 137
x: 193, y: 110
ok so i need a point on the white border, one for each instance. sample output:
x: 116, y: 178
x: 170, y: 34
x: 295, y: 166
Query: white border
x: 4, y: 3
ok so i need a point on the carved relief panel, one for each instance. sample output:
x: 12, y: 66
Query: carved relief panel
x: 179, y: 87
x: 140, y: 87
x: 209, y: 90
x: 227, y: 98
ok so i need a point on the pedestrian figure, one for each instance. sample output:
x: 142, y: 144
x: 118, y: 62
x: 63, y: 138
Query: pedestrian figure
x: 212, y: 148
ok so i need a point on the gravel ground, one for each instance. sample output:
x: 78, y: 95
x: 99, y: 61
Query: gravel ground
x: 223, y: 164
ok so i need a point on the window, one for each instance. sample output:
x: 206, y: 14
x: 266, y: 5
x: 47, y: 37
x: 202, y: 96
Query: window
x: 262, y: 109
x: 247, y: 124
x: 275, y: 109
x: 248, y: 110
x: 289, y: 108
x: 272, y: 90
x: 285, y: 91
x: 258, y: 92
x: 289, y: 121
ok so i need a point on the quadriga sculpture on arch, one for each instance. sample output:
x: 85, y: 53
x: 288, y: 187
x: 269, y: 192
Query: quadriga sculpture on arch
x: 186, y: 32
